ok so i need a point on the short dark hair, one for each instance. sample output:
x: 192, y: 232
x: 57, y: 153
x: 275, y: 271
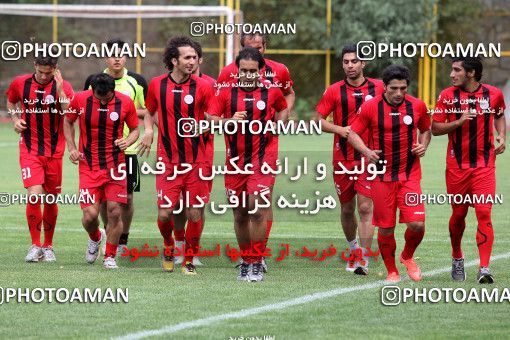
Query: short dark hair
x: 349, y: 48
x: 471, y: 64
x: 250, y: 53
x: 251, y: 36
x: 102, y: 84
x: 120, y: 43
x: 396, y: 72
x: 48, y: 60
x: 198, y: 48
x: 172, y: 49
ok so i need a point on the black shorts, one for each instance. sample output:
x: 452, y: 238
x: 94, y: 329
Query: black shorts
x: 133, y: 176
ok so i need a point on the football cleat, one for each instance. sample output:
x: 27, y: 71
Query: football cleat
x: 93, y: 248
x: 110, y: 263
x: 167, y: 261
x: 256, y: 274
x: 34, y: 254
x: 179, y: 245
x: 458, y: 272
x: 413, y: 270
x: 48, y: 255
x: 244, y: 269
x: 189, y: 269
x: 484, y: 276
x: 393, y: 277
x: 196, y: 261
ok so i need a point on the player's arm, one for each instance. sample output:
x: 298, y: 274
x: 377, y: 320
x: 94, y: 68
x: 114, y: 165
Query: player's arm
x: 355, y: 140
x: 151, y: 105
x: 282, y: 115
x: 443, y: 128
x: 216, y: 110
x: 420, y: 148
x: 361, y: 124
x: 281, y: 107
x: 19, y: 124
x: 64, y: 101
x: 124, y: 143
x: 132, y: 123
x: 424, y: 136
x: 144, y: 146
x: 74, y: 154
x: 13, y: 99
x: 140, y: 100
x: 440, y: 125
x: 289, y: 94
x: 324, y: 108
x: 141, y: 113
x: 326, y: 126
x: 500, y: 125
x: 290, y: 98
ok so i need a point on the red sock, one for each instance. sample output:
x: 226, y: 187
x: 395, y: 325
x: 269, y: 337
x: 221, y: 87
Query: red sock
x: 95, y: 235
x: 387, y: 247
x: 50, y: 214
x: 165, y: 228
x: 179, y: 234
x: 457, y: 225
x: 193, y: 232
x: 269, y: 224
x: 256, y: 247
x: 413, y: 240
x: 111, y: 250
x: 245, y: 247
x: 34, y: 219
x: 484, y: 235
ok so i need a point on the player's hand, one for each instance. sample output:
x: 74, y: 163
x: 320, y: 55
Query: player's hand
x: 418, y: 149
x: 344, y: 131
x: 502, y: 145
x: 75, y: 156
x: 58, y: 80
x: 239, y: 115
x: 20, y: 125
x: 144, y: 146
x: 468, y: 115
x: 372, y: 156
x: 121, y: 144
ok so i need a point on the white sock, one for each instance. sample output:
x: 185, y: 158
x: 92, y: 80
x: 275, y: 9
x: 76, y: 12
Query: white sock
x: 353, y: 245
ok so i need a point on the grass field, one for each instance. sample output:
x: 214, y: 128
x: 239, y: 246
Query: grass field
x: 287, y: 305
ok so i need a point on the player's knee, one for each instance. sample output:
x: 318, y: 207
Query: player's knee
x: 90, y: 216
x: 258, y: 217
x: 365, y: 210
x: 164, y: 215
x: 386, y: 231
x: 194, y: 214
x: 35, y: 190
x: 459, y: 211
x: 483, y: 213
x: 241, y: 219
x: 347, y: 208
x: 416, y: 226
x: 114, y: 211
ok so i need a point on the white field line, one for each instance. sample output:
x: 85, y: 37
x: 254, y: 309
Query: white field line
x: 280, y: 305
x: 136, y: 234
